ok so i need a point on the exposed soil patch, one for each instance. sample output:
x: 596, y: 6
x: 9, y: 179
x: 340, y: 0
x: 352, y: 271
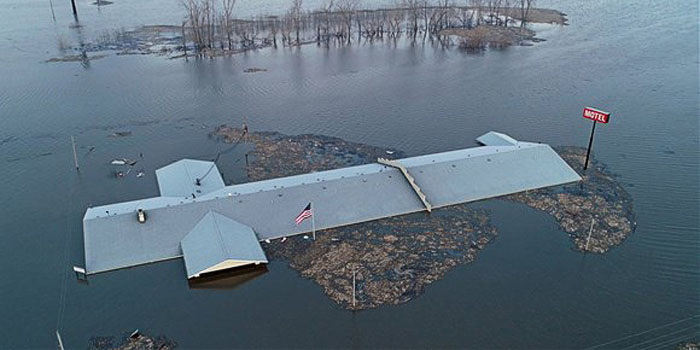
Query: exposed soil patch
x: 75, y: 58
x: 396, y: 258
x: 599, y: 199
x: 491, y: 36
x: 133, y: 342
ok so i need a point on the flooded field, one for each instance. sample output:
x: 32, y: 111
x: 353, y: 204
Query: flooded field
x: 528, y: 288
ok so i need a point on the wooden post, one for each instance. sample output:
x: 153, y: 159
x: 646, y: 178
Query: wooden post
x: 60, y: 341
x: 53, y: 14
x: 590, y: 231
x: 184, y: 40
x: 590, y: 144
x: 75, y: 154
x: 354, y: 272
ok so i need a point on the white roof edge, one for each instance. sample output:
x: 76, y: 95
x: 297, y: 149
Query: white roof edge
x: 245, y: 263
x: 184, y: 160
x: 493, y: 138
x: 359, y: 170
x: 301, y: 179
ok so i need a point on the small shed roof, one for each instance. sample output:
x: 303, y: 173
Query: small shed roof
x: 493, y: 138
x: 217, y: 243
x: 179, y: 179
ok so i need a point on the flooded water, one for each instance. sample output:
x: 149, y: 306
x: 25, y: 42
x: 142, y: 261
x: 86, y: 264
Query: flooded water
x: 637, y: 59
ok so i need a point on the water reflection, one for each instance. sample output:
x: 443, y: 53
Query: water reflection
x: 228, y: 279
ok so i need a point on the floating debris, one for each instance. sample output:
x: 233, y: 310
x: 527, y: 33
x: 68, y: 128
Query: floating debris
x: 689, y: 345
x: 254, y: 70
x: 132, y: 341
x: 120, y: 134
x: 123, y: 161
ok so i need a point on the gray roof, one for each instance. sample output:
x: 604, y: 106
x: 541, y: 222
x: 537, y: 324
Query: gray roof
x: 179, y: 179
x: 341, y: 197
x: 493, y: 138
x: 216, y: 239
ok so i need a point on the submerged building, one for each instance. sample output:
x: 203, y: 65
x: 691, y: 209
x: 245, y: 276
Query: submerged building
x: 216, y: 227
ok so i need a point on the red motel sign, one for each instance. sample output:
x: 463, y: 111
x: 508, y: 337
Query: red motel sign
x: 596, y: 115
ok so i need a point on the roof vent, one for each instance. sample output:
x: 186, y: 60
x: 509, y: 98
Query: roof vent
x: 141, y: 216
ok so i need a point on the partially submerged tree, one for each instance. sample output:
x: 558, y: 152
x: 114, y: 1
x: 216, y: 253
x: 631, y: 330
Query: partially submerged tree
x: 227, y: 20
x: 525, y: 6
x: 295, y: 14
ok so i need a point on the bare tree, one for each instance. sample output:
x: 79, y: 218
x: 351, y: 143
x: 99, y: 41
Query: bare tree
x: 295, y: 14
x: 478, y: 6
x: 413, y: 7
x: 506, y: 11
x: 346, y: 9
x: 194, y: 12
x: 525, y: 6
x: 227, y: 19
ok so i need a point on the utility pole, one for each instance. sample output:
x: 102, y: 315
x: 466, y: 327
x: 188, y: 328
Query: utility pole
x: 60, y: 341
x: 590, y: 231
x: 75, y: 154
x: 354, y: 266
x: 75, y: 10
x: 354, y: 272
x: 53, y: 14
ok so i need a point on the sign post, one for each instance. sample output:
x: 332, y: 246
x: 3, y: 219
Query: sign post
x: 596, y: 116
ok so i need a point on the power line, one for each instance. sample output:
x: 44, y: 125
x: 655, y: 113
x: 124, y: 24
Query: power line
x: 659, y: 337
x: 643, y: 332
x: 668, y: 342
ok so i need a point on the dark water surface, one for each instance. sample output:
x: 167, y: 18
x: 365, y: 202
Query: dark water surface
x: 638, y: 59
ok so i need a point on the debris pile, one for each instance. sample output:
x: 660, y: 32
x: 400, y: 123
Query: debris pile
x: 277, y: 155
x: 254, y: 70
x: 395, y: 258
x: 135, y: 341
x: 599, y: 199
x: 689, y: 345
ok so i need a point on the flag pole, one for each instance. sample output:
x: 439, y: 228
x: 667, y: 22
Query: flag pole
x: 313, y: 220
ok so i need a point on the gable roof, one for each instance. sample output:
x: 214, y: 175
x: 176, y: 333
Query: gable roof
x: 217, y: 242
x: 179, y: 179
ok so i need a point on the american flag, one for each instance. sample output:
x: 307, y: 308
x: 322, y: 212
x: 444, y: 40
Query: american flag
x: 305, y: 214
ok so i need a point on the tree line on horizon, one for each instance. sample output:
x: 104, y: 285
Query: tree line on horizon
x: 212, y: 25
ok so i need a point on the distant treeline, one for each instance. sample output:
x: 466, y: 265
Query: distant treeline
x: 211, y: 24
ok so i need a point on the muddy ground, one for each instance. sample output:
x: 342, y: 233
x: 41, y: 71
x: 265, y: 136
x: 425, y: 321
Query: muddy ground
x: 396, y: 258
x: 131, y: 342
x: 598, y: 205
